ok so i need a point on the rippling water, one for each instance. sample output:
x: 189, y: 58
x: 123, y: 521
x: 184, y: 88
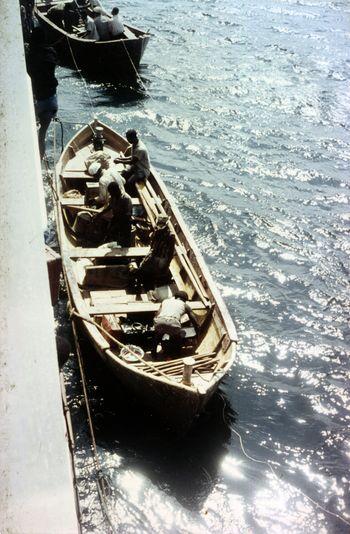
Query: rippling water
x: 246, y: 116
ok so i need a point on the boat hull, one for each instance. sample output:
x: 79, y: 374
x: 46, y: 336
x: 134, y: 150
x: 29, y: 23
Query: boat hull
x: 107, y: 59
x: 176, y: 407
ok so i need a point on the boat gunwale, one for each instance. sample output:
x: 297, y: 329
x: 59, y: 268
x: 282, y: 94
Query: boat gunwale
x: 71, y: 36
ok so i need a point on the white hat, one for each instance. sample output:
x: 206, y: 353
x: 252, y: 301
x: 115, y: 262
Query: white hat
x: 94, y: 168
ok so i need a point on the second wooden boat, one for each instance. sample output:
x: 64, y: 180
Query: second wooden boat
x: 108, y: 59
x: 174, y: 387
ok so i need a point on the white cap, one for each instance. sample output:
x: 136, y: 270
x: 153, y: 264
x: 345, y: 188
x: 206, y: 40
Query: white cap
x: 94, y: 168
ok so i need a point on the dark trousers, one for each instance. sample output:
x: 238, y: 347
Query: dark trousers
x: 132, y: 175
x: 46, y: 110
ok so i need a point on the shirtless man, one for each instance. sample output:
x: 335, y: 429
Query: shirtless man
x: 138, y: 164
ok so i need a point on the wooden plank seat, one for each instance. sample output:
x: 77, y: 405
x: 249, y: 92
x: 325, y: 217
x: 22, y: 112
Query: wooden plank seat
x: 134, y: 307
x: 117, y: 296
x: 79, y: 201
x: 102, y: 252
x: 79, y: 176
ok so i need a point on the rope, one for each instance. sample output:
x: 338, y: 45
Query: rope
x: 49, y: 177
x: 57, y: 119
x: 80, y: 74
x: 54, y: 145
x: 84, y: 82
x: 268, y: 463
x: 135, y: 69
x: 102, y: 482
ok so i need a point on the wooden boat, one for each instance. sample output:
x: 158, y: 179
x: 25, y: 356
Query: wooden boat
x: 158, y: 384
x: 110, y: 59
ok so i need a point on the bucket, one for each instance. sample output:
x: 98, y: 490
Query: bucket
x: 130, y: 358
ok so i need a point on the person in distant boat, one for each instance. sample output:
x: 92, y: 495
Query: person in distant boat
x: 119, y: 206
x: 105, y: 174
x: 168, y: 319
x: 101, y: 23
x: 138, y: 163
x: 115, y: 26
x: 97, y: 3
x: 90, y: 26
x: 56, y: 14
x: 41, y: 65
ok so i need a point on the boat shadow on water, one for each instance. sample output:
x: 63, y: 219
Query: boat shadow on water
x: 106, y: 93
x: 185, y: 466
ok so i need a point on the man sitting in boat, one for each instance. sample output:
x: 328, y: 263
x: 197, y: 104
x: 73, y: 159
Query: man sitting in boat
x: 90, y: 26
x: 138, y: 164
x: 155, y: 266
x: 168, y: 320
x: 98, y: 165
x: 119, y: 207
x: 115, y: 26
x: 101, y: 23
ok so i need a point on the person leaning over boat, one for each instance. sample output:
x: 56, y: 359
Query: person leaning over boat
x: 41, y: 65
x: 168, y: 319
x: 105, y: 175
x: 138, y: 164
x: 115, y: 26
x: 120, y: 205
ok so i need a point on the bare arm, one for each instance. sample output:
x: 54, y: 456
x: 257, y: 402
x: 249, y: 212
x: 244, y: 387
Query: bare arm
x: 124, y: 160
x: 191, y: 315
x: 100, y: 211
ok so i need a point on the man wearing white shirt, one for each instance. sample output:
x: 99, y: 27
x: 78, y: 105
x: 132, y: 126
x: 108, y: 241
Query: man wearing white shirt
x: 106, y: 174
x: 115, y: 26
x: 91, y: 30
x: 101, y: 23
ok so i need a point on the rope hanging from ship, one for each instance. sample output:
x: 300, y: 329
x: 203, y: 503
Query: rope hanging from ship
x: 102, y: 482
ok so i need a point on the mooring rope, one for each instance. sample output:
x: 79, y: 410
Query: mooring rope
x: 101, y: 482
x: 268, y: 463
x: 80, y: 74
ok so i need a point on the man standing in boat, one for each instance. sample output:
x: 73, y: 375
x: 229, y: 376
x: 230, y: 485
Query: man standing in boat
x: 138, y: 163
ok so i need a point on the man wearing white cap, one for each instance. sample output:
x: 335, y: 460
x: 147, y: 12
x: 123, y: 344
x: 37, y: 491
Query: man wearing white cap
x: 105, y: 174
